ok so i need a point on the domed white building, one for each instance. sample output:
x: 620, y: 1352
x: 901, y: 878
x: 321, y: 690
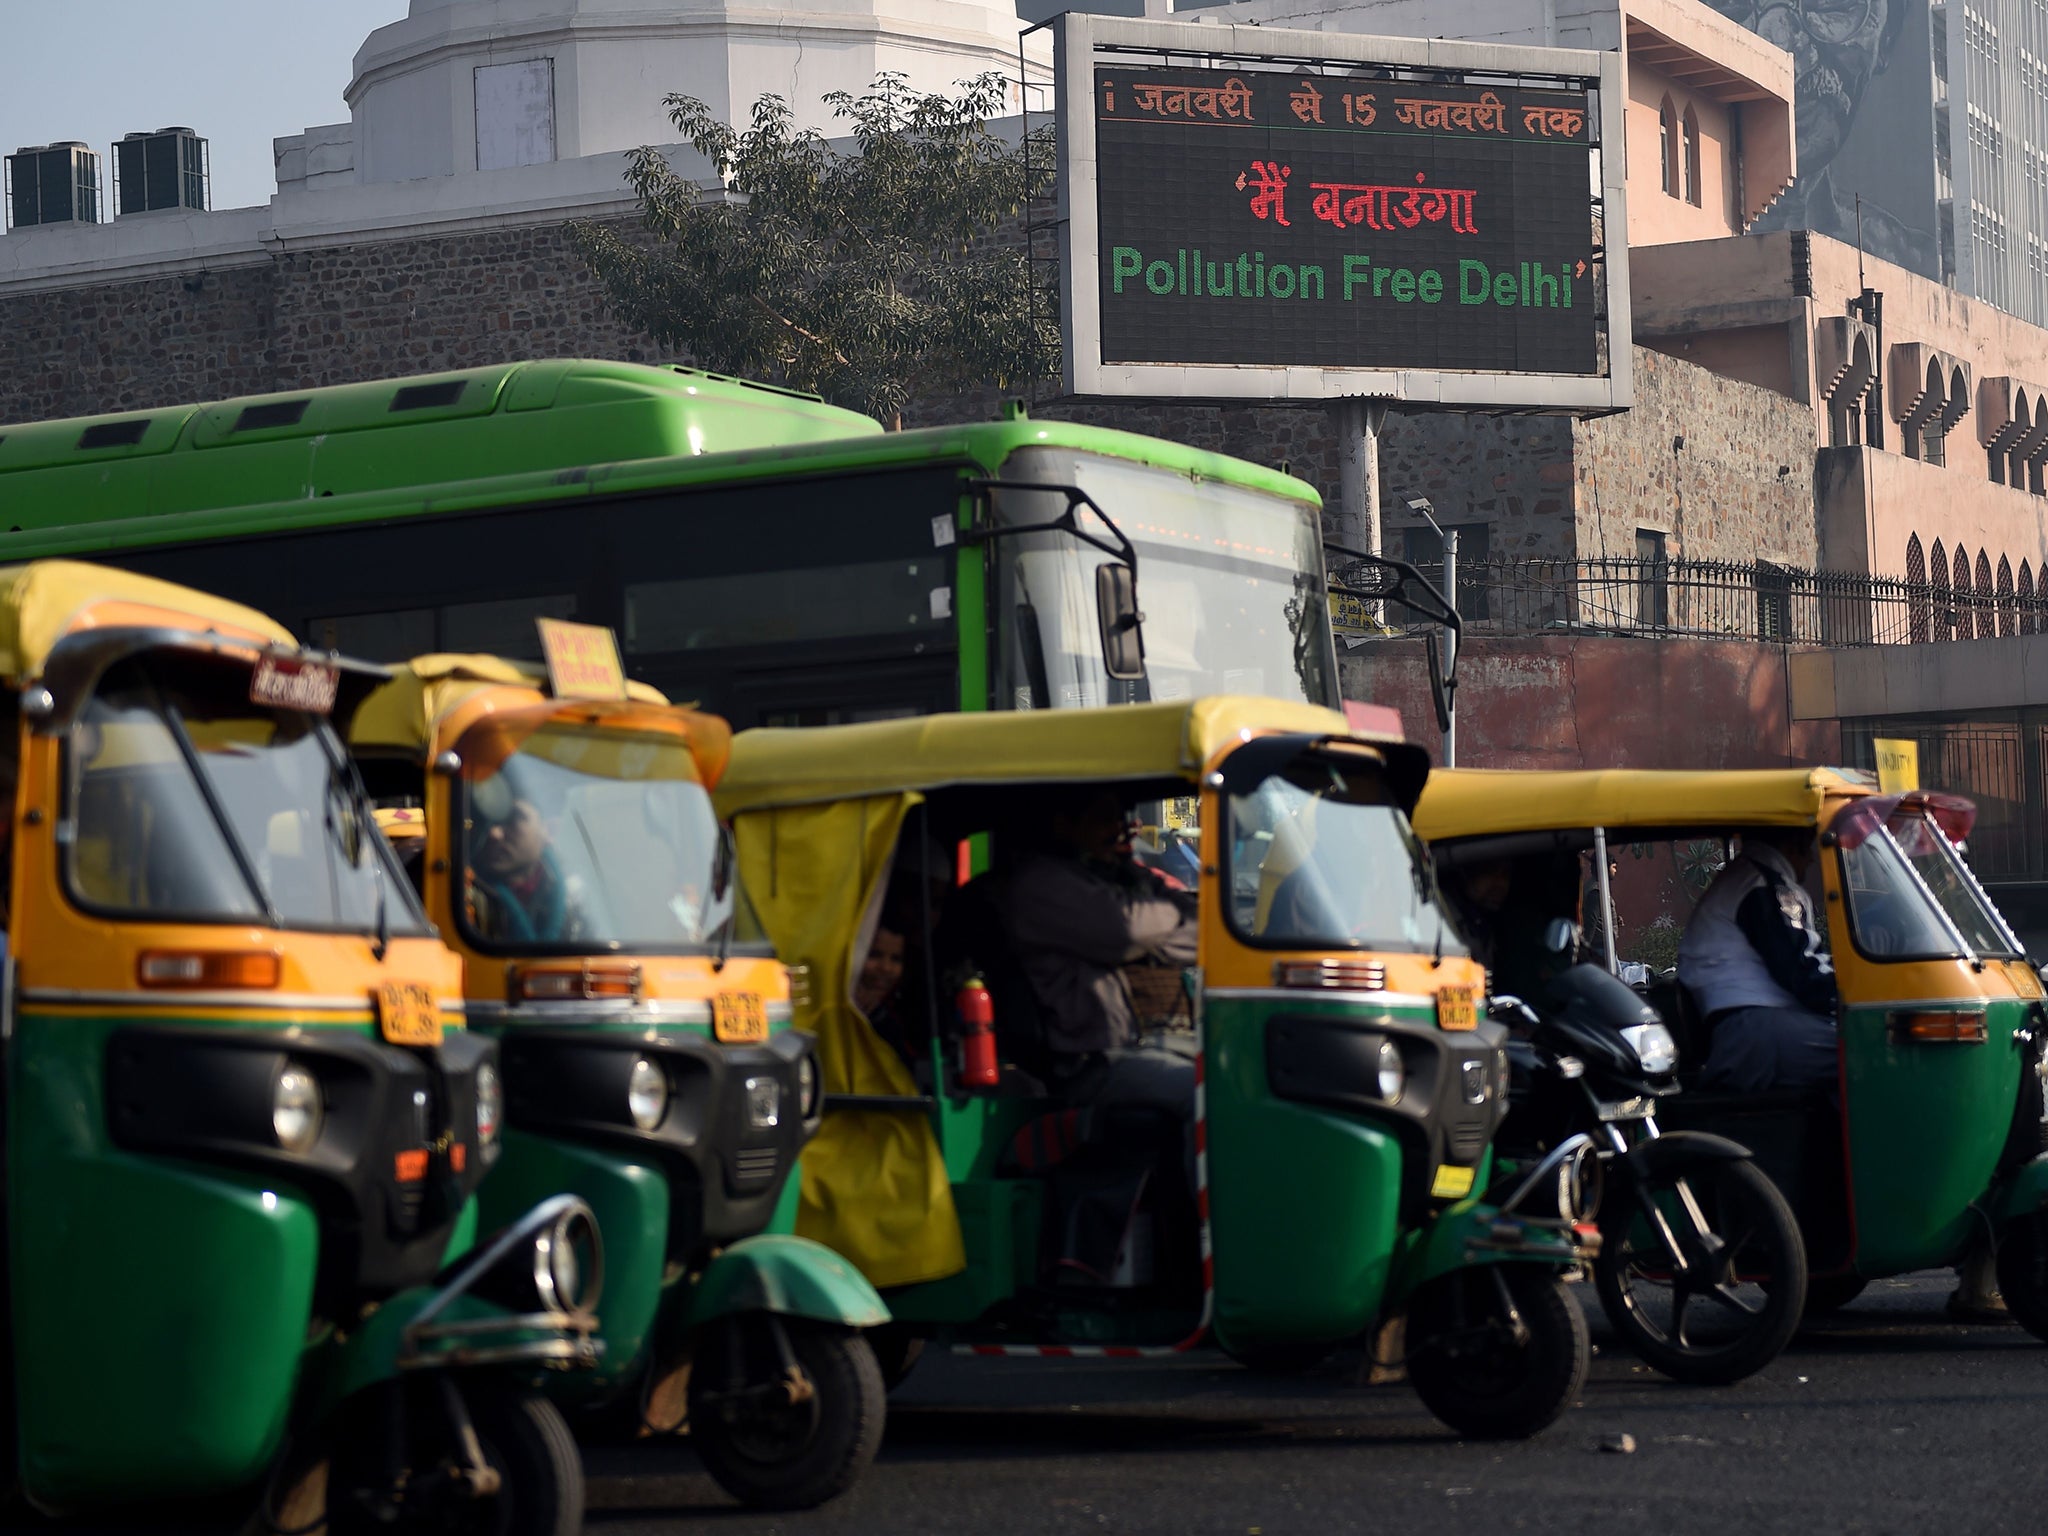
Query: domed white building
x: 466, y: 85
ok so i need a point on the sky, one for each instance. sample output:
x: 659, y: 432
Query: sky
x: 240, y: 72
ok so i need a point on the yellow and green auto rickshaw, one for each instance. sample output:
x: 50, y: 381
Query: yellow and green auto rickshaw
x: 1932, y: 1143
x: 569, y: 850
x: 1348, y: 1088
x: 244, y: 1130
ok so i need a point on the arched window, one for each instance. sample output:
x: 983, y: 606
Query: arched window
x: 2007, y: 612
x: 1667, y: 146
x: 2030, y: 623
x: 1942, y: 606
x: 1689, y: 155
x: 1966, y: 608
x: 1916, y: 592
x: 1986, y: 602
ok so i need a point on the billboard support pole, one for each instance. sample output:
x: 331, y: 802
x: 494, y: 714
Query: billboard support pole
x: 1358, y: 422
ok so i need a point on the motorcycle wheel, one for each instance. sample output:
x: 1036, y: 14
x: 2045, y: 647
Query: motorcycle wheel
x: 765, y: 1449
x: 2023, y: 1272
x: 1709, y: 1319
x: 523, y: 1439
x: 1473, y: 1373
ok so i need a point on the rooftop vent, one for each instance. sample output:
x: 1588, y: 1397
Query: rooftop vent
x: 165, y: 169
x: 55, y: 183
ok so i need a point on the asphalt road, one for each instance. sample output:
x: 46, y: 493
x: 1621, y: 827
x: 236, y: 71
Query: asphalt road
x: 1887, y: 1418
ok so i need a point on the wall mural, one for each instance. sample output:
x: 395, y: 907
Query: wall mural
x: 1865, y: 107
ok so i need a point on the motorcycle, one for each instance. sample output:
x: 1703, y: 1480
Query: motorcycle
x: 1701, y: 1267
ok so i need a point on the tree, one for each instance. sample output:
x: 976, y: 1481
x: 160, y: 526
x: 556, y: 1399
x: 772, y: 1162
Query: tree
x: 871, y: 276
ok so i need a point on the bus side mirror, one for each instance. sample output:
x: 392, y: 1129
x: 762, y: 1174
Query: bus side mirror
x: 1123, y: 634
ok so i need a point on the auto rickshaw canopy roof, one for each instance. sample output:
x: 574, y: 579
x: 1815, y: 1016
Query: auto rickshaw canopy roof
x: 407, y: 712
x: 1481, y: 802
x: 42, y: 602
x: 803, y: 766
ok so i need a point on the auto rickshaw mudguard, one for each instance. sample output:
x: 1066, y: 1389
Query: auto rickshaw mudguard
x: 630, y: 1200
x: 113, y: 1406
x: 2022, y: 1192
x: 790, y: 1276
x: 1472, y: 1233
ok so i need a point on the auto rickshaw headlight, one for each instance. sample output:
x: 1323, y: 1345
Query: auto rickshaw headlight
x: 647, y: 1094
x: 1393, y: 1072
x: 1653, y: 1046
x: 764, y: 1103
x: 562, y: 1278
x: 490, y: 1104
x: 807, y: 1095
x: 295, y: 1111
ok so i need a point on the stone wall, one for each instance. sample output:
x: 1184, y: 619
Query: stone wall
x: 1723, y: 469
x: 308, y: 317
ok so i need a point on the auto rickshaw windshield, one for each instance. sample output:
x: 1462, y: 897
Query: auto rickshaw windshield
x: 1940, y: 867
x: 599, y: 839
x: 1892, y: 914
x: 190, y: 801
x: 1320, y: 856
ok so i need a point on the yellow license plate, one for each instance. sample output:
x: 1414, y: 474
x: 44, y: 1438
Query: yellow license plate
x: 1457, y: 1008
x: 1450, y: 1183
x: 408, y: 1013
x: 738, y: 1018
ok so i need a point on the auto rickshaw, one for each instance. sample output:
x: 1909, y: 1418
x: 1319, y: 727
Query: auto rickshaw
x: 244, y: 1128
x: 649, y: 1064
x: 1932, y: 1143
x: 1348, y: 1087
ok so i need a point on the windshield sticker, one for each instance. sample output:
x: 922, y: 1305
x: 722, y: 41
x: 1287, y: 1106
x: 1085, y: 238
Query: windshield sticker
x: 942, y: 530
x: 283, y: 683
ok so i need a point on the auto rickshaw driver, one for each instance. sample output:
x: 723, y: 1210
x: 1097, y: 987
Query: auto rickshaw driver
x: 517, y: 887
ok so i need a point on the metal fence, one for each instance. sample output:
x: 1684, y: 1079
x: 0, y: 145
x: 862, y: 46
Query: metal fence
x: 1750, y: 600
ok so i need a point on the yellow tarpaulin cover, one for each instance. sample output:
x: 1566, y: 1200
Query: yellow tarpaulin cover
x: 1479, y: 802
x: 874, y: 1183
x: 43, y: 602
x: 403, y: 712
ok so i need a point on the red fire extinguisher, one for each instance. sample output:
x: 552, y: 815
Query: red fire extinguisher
x: 977, y: 1013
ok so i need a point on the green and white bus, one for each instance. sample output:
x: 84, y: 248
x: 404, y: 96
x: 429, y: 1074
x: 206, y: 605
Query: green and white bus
x: 778, y: 559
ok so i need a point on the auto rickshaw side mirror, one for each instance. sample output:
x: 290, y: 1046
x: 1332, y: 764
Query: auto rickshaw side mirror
x: 1561, y: 936
x: 1116, y: 610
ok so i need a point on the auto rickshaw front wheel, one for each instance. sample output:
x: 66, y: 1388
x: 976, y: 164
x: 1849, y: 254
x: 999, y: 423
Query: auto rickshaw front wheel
x: 400, y: 1462
x: 2023, y: 1272
x: 786, y: 1412
x: 1497, y: 1351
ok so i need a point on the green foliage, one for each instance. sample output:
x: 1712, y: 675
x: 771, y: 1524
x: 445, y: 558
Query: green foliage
x: 871, y: 276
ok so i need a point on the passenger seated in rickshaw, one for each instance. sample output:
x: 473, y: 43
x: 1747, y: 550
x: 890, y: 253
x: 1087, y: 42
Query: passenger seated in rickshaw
x: 1075, y: 909
x: 517, y: 890
x: 878, y: 989
x: 1505, y: 907
x: 1754, y: 958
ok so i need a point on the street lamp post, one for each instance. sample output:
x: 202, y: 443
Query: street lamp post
x: 1421, y: 505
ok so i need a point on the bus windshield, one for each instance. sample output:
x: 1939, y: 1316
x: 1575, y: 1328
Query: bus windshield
x: 1230, y: 582
x: 584, y: 840
x: 193, y: 803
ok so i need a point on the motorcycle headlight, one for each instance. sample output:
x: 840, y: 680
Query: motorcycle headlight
x: 647, y: 1094
x: 1653, y: 1046
x: 490, y: 1105
x: 808, y: 1098
x: 295, y: 1110
x: 1393, y: 1073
